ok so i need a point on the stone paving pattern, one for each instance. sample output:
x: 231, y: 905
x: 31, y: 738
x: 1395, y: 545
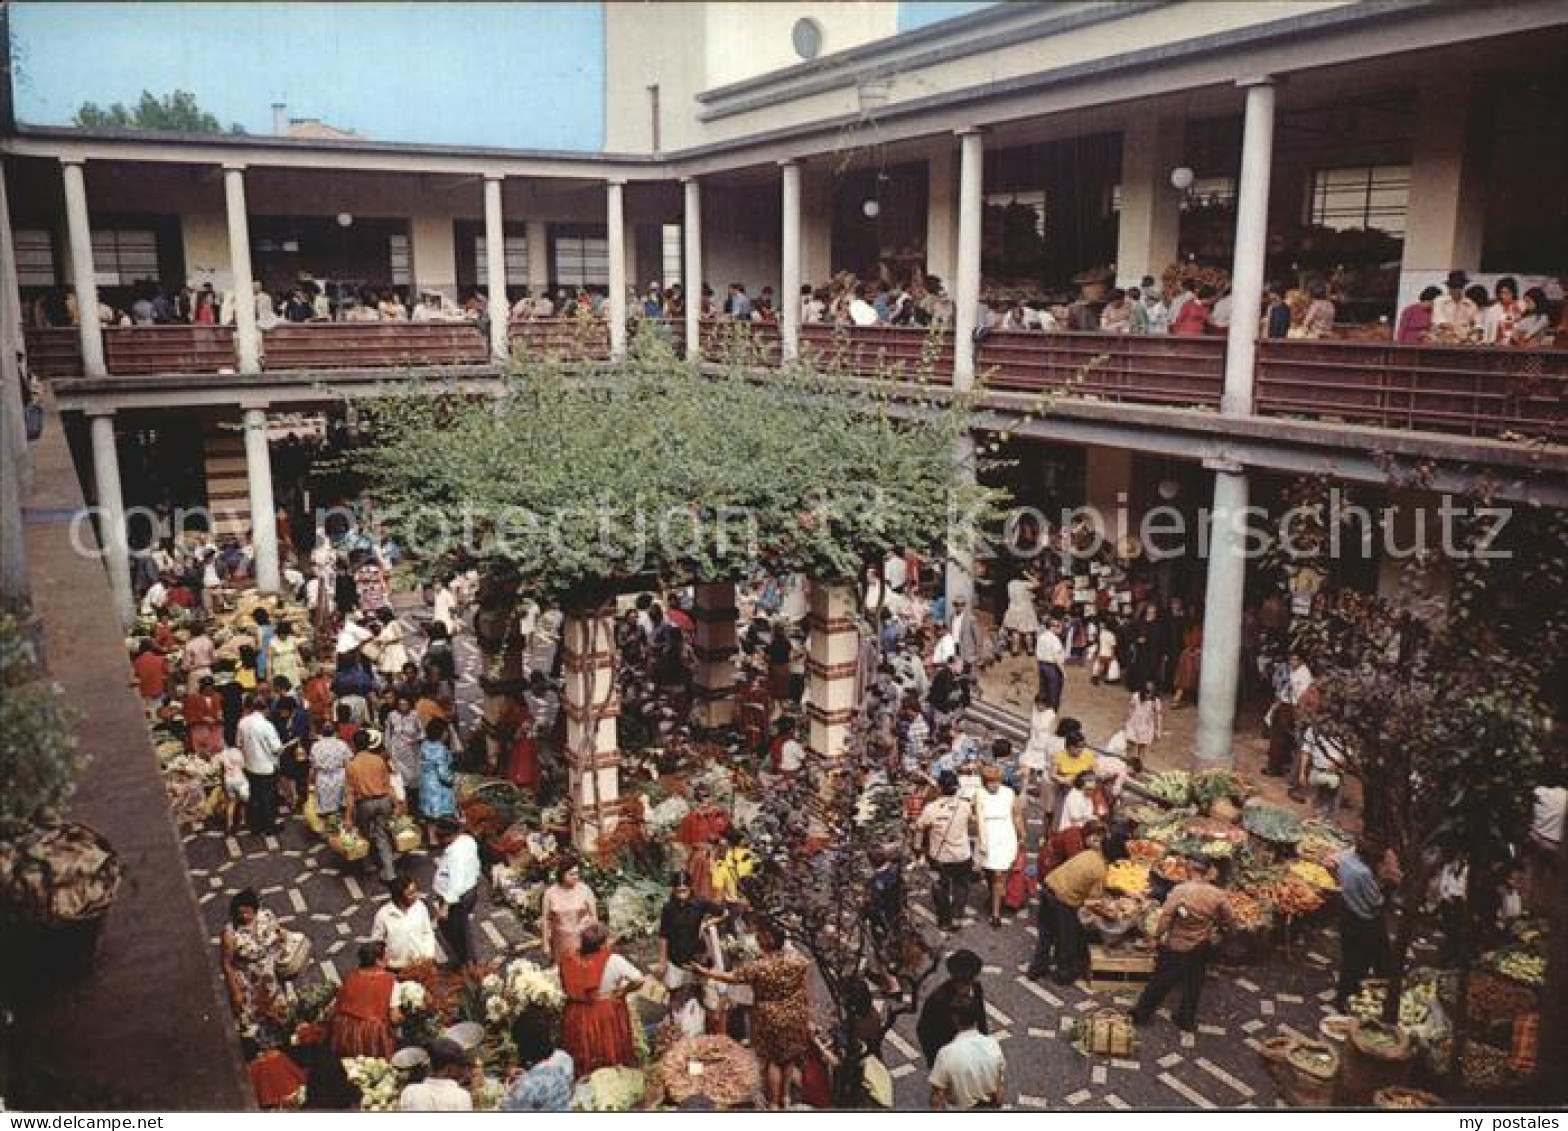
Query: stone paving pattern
x: 312, y: 890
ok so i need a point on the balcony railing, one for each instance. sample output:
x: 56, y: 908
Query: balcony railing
x: 1476, y: 391
x: 1134, y: 369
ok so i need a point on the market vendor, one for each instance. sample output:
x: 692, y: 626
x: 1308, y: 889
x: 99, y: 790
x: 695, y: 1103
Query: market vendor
x: 700, y: 832
x: 682, y: 944
x: 1194, y: 914
x: 1062, y: 896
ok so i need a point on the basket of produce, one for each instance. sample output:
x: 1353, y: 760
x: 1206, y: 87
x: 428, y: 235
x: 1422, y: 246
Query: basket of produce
x: 1128, y: 877
x: 1271, y: 823
x: 1485, y: 1067
x: 710, y: 1069
x: 406, y: 836
x: 1494, y: 998
x: 1274, y: 1050
x: 1210, y: 787
x: 348, y: 843
x: 1247, y: 940
x: 1114, y: 917
x: 1174, y: 787
x: 1310, y: 1071
x: 1405, y: 1099
x: 1290, y: 897
x: 1173, y: 869
x: 1376, y: 1056
x: 1520, y: 965
x: 1144, y: 852
x: 1314, y: 874
x: 1336, y: 1027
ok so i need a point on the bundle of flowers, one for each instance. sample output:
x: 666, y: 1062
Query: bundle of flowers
x: 348, y: 843
x: 664, y: 817
x: 1314, y: 874
x: 517, y: 986
x: 377, y: 1081
x: 525, y: 896
x: 1127, y: 876
x: 633, y: 910
x: 410, y: 997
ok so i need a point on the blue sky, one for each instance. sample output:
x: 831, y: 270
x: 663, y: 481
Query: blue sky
x: 483, y: 74
x: 919, y: 13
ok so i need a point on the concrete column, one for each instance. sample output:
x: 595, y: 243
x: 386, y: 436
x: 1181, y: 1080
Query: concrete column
x: 111, y: 513
x: 263, y: 512
x: 1225, y: 584
x: 538, y: 257
x: 1150, y: 223
x: 966, y: 283
x: 435, y: 254
x: 1252, y: 239
x: 247, y: 335
x: 615, y: 224
x: 714, y: 614
x: 79, y: 233
x: 1447, y: 214
x: 942, y: 213
x: 592, y: 706
x: 789, y: 289
x: 495, y: 269
x: 832, y: 665
x: 692, y: 269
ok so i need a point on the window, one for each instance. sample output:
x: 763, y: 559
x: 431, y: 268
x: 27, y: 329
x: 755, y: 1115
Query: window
x: 670, y: 254
x: 1034, y: 201
x: 402, y: 272
x: 516, y: 248
x: 1212, y: 191
x: 1367, y: 196
x: 582, y: 261
x: 122, y: 257
x: 34, y: 258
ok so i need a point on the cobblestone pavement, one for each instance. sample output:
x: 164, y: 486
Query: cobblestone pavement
x: 1218, y: 1067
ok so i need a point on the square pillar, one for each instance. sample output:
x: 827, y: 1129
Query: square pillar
x: 592, y: 707
x: 1150, y: 224
x: 78, y: 227
x: 832, y: 666
x: 435, y: 255
x: 714, y: 615
x: 247, y: 336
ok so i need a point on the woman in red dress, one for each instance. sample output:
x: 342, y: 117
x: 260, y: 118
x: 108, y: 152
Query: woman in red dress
x: 522, y: 753
x: 699, y: 831
x: 203, y: 712
x: 596, y: 1028
x: 364, y: 1016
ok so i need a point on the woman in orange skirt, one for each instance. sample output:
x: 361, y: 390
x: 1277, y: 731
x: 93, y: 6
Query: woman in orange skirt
x: 522, y: 752
x: 596, y: 1028
x: 203, y: 711
x: 364, y: 1016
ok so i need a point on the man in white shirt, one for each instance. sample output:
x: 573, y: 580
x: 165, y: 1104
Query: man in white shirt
x: 259, y: 742
x: 946, y: 648
x: 861, y: 312
x: 1051, y: 656
x: 966, y: 632
x: 895, y: 572
x: 443, y: 1089
x: 403, y: 923
x: 970, y: 1071
x: 156, y: 597
x: 456, y: 888
x: 1448, y: 308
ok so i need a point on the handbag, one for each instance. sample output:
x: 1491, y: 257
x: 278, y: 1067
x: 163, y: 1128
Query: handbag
x: 296, y: 955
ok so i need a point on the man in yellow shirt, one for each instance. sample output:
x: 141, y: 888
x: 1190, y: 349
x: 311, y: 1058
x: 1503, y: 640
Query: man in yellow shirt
x: 1065, y: 890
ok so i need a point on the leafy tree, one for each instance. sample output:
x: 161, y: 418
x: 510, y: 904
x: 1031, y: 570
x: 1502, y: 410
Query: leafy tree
x: 1440, y: 706
x: 39, y: 759
x: 173, y: 113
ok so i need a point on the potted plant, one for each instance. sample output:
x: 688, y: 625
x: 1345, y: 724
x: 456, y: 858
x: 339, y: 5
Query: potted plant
x: 57, y: 879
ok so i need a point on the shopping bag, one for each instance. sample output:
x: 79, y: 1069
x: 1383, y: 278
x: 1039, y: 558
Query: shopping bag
x: 313, y: 818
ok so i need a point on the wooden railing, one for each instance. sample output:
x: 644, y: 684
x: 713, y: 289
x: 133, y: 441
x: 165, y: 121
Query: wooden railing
x: 576, y: 339
x: 372, y: 345
x: 752, y: 343
x: 1474, y: 390
x: 53, y: 351
x: 133, y: 350
x: 1133, y: 369
x: 894, y: 352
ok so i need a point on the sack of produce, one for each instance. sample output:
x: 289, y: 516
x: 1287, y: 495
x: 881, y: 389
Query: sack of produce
x: 1309, y: 1075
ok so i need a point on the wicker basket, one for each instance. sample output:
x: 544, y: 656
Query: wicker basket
x: 1311, y: 1072
x: 1405, y: 1099
x: 1371, y: 1065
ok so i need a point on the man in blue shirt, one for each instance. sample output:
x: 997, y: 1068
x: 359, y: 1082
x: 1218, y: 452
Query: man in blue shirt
x: 1363, y: 935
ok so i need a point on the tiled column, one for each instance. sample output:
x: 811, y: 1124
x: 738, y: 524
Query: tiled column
x: 714, y: 615
x: 592, y: 707
x: 111, y: 512
x: 79, y: 234
x: 832, y: 663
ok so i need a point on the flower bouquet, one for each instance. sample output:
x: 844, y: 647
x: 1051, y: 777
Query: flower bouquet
x: 377, y: 1081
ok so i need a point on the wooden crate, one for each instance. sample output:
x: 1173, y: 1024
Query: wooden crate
x: 1119, y: 970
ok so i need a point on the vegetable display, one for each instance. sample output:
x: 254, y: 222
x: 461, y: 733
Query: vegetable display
x: 1127, y: 876
x: 1271, y: 823
x: 1171, y: 786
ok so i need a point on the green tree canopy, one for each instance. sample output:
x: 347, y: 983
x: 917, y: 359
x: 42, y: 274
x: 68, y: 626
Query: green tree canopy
x: 173, y: 113
x: 580, y: 480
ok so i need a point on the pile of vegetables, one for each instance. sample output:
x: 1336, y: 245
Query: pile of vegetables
x: 1493, y: 999
x: 1522, y: 966
x: 1247, y: 913
x: 1291, y: 897
x: 1127, y: 876
x: 1210, y: 786
x: 1271, y: 823
x: 1314, y: 874
x: 1415, y: 1004
x: 1171, y: 786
